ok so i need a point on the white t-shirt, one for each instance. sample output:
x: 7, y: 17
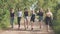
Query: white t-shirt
x: 20, y: 14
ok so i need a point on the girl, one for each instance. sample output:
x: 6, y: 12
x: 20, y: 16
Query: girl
x: 48, y: 18
x: 26, y: 18
x: 19, y: 17
x: 32, y: 19
x: 11, y: 17
x: 40, y: 14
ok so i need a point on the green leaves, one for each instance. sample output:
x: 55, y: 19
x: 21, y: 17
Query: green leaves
x: 5, y: 5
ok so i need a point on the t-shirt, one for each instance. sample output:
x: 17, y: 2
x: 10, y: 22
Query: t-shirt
x: 33, y: 15
x: 20, y: 14
x: 26, y: 13
x: 11, y: 14
x: 40, y: 13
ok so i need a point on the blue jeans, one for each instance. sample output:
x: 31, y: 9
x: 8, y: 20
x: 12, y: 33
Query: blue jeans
x: 40, y: 18
x: 11, y: 21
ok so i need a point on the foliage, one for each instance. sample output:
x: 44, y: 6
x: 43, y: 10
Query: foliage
x: 5, y: 5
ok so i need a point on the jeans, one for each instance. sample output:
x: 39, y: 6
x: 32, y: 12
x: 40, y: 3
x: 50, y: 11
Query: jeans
x: 11, y: 21
x: 19, y: 19
x: 40, y: 18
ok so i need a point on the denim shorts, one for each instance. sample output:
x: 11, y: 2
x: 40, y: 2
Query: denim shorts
x: 40, y: 18
x: 26, y: 18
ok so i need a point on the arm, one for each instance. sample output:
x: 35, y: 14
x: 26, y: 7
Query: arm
x: 21, y: 14
x: 51, y: 16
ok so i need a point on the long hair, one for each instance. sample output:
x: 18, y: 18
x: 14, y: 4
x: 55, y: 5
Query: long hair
x: 40, y: 10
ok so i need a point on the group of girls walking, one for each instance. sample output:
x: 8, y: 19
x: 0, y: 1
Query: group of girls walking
x: 47, y: 20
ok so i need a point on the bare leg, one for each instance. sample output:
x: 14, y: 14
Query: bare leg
x: 32, y: 26
x: 47, y: 27
x: 25, y: 24
x: 40, y: 23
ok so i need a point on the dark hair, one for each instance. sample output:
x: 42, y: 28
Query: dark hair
x: 19, y: 9
x: 47, y: 9
x: 11, y: 9
x: 40, y: 9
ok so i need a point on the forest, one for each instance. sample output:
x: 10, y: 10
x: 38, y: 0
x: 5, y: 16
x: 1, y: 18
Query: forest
x: 5, y: 5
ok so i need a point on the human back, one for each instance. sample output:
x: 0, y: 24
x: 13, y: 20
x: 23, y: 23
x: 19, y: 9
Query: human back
x: 49, y: 13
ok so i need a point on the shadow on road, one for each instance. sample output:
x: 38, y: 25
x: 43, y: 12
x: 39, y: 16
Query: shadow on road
x: 14, y: 29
